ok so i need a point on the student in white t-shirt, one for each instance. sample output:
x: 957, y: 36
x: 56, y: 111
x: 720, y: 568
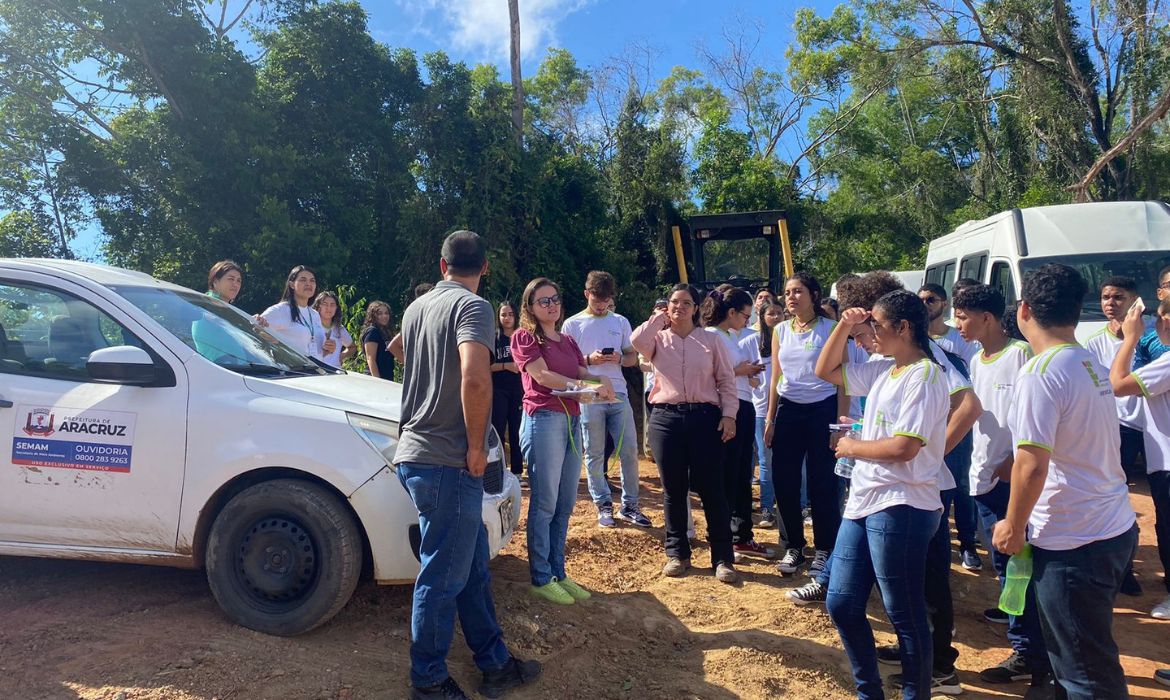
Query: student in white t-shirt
x: 1151, y: 382
x: 604, y: 339
x: 293, y: 321
x: 724, y: 314
x: 894, y: 506
x: 801, y: 407
x: 1068, y: 491
x: 979, y: 312
x: 328, y: 309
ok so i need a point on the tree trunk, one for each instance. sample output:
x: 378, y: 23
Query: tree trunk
x: 517, y: 85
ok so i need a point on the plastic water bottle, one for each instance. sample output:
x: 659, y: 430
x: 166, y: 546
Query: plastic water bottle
x: 1019, y: 573
x: 844, y: 466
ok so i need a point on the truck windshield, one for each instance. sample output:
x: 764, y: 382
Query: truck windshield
x: 1142, y: 267
x: 220, y: 332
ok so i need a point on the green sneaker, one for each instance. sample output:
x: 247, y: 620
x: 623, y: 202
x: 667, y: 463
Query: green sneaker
x: 570, y: 586
x: 553, y: 593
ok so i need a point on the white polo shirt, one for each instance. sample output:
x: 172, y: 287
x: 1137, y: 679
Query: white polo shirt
x: 593, y: 333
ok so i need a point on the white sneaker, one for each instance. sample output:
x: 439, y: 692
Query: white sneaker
x: 1161, y: 611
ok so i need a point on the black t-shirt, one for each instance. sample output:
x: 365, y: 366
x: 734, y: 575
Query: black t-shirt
x: 503, y: 353
x: 383, y: 358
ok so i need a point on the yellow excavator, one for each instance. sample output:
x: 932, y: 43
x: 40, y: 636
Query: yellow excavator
x: 750, y: 250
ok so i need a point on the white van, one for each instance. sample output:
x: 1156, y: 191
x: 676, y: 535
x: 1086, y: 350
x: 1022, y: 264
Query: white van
x: 144, y: 422
x: 1100, y: 240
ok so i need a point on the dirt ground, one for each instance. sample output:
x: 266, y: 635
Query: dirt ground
x: 120, y: 632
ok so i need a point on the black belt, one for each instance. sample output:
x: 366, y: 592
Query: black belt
x: 685, y: 407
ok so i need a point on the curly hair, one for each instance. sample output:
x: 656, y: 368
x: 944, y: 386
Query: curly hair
x: 864, y: 292
x: 981, y: 298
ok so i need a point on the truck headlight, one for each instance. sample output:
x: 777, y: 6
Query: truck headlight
x: 381, y: 435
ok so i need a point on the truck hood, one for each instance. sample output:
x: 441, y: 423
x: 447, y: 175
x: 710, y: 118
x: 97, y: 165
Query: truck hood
x: 356, y: 393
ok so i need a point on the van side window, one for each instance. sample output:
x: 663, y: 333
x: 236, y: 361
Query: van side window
x: 973, y: 266
x: 1001, y: 279
x: 48, y: 333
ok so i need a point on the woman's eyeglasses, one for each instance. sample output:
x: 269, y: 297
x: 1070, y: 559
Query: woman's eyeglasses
x: 545, y: 302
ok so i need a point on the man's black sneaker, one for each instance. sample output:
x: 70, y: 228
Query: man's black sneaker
x: 890, y: 655
x: 940, y: 683
x: 995, y: 615
x: 1130, y: 585
x: 447, y: 690
x: 1014, y: 668
x: 514, y: 673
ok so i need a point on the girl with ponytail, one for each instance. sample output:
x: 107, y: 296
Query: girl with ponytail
x: 894, y: 505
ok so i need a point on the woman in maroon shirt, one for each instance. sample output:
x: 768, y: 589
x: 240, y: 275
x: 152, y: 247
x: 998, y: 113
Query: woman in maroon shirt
x: 550, y: 435
x: 695, y: 406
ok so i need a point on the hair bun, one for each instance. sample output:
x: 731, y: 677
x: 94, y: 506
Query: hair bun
x: 715, y: 294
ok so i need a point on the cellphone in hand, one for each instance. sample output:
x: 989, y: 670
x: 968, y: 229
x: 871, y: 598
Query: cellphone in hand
x: 607, y: 351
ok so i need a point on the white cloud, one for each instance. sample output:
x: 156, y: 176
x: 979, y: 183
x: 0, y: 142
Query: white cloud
x: 480, y: 28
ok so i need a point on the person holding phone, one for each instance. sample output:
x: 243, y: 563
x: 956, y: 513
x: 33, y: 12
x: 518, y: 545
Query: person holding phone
x: 695, y: 407
x: 604, y: 338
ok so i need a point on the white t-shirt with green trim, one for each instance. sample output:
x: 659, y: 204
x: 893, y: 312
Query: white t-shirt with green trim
x: 798, y: 360
x: 1064, y: 404
x: 913, y: 402
x: 738, y: 353
x: 594, y: 333
x: 1154, y: 380
x: 1104, y: 346
x: 994, y: 381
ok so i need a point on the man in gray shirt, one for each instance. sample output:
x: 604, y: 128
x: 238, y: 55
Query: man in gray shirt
x: 447, y: 336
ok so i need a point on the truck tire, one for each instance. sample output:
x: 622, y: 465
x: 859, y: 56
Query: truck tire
x: 283, y: 557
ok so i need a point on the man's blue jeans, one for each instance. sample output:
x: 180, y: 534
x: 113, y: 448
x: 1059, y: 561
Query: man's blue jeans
x: 617, y: 419
x: 551, y: 442
x: 1023, y: 631
x: 454, y: 577
x: 889, y: 548
x: 1075, y: 590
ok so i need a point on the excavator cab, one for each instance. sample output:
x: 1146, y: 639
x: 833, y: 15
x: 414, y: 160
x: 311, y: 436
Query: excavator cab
x: 747, y: 249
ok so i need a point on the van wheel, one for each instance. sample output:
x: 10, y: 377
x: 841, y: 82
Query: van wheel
x: 283, y: 557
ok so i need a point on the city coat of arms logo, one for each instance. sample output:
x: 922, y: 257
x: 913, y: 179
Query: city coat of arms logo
x: 39, y: 423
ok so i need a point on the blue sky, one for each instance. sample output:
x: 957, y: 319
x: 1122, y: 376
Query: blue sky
x: 476, y: 31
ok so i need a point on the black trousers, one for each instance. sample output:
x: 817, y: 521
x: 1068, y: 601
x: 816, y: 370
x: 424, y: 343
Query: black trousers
x: 688, y: 450
x: 1133, y: 443
x: 506, y: 411
x: 801, y: 439
x: 737, y: 473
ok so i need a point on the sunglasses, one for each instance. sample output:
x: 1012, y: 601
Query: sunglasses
x: 545, y: 302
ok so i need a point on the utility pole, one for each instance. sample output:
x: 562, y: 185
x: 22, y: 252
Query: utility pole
x: 517, y: 84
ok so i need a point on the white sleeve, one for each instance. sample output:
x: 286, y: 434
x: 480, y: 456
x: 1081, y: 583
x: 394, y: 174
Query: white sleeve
x: 626, y: 331
x: 277, y: 320
x: 859, y: 377
x: 1154, y: 378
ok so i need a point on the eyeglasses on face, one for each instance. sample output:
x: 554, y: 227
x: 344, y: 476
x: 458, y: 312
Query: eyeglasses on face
x: 545, y: 302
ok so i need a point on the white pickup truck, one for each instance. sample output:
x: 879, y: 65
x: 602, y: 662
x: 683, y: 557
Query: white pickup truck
x: 144, y: 422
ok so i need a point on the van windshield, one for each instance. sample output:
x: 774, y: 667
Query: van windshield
x: 1142, y: 267
x: 220, y: 332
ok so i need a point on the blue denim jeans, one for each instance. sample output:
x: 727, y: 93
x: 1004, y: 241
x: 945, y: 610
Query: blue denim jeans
x: 764, y: 460
x: 889, y: 548
x: 551, y: 441
x: 454, y: 577
x: 616, y: 419
x: 958, y: 461
x: 1075, y: 590
x: 1023, y: 633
